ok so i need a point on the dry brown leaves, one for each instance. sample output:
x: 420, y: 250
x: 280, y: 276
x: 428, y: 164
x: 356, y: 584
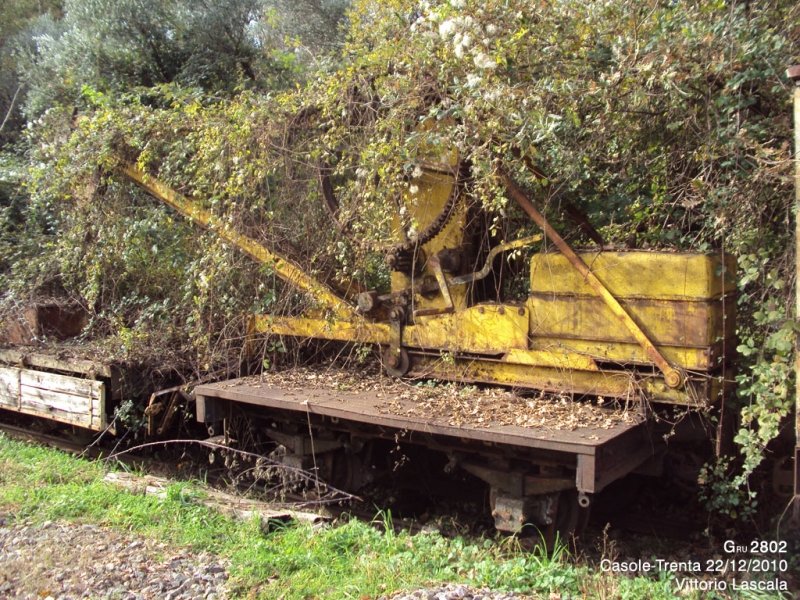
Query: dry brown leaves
x: 457, y: 404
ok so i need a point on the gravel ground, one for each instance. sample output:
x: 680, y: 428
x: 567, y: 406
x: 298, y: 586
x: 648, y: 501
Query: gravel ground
x: 455, y: 592
x: 63, y: 561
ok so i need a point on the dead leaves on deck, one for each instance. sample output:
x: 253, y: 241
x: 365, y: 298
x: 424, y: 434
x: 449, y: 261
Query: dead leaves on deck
x: 457, y: 404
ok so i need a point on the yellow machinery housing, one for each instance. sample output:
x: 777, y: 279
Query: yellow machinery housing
x: 607, y: 323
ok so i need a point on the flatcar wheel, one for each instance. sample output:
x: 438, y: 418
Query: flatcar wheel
x: 340, y: 470
x: 571, y: 519
x: 566, y: 521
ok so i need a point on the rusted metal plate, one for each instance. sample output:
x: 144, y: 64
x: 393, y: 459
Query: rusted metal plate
x: 553, y: 356
x: 621, y: 456
x: 608, y: 383
x: 666, y: 322
x: 636, y: 274
x: 368, y: 407
x: 44, y: 320
x: 704, y: 358
x: 586, y: 474
x: 672, y: 376
x: 489, y: 328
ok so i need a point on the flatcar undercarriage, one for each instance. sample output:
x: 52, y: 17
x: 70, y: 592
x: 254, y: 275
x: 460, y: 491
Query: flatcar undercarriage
x: 543, y: 475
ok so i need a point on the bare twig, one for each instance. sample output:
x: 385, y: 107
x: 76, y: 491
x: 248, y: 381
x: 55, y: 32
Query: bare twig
x: 10, y: 108
x: 108, y: 429
x: 304, y: 475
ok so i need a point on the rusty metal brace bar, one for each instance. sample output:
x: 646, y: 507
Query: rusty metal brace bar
x: 672, y: 377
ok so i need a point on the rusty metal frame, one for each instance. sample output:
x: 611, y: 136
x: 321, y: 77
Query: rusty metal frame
x: 175, y: 394
x: 518, y: 484
x: 341, y: 321
x: 364, y: 407
x: 586, y: 460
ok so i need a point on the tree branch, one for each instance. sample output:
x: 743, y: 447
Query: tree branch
x: 10, y: 108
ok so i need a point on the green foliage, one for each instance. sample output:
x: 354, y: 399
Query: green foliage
x: 130, y: 416
x: 44, y: 484
x: 313, y: 27
x: 15, y: 19
x: 150, y: 279
x: 643, y: 114
x: 12, y: 203
x: 724, y: 491
x: 114, y: 46
x: 29, y: 465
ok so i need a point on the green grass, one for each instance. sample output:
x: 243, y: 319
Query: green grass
x: 349, y: 559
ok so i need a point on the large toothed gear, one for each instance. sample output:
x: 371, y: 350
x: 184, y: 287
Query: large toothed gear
x: 401, y: 254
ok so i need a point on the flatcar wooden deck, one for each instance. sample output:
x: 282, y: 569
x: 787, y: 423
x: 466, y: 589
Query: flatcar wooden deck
x: 600, y: 454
